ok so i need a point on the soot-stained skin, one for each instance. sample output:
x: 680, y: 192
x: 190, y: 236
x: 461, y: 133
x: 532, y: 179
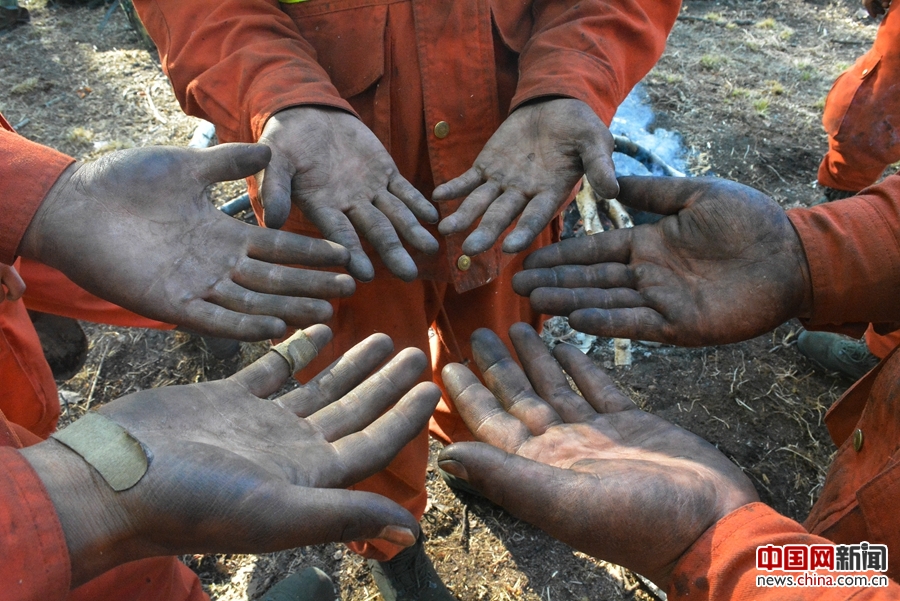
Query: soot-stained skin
x: 593, y: 471
x: 231, y: 471
x: 723, y: 265
x: 136, y: 228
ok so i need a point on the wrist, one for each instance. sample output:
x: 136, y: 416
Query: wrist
x: 94, y: 522
x: 804, y: 301
x: 305, y: 115
x: 41, y: 235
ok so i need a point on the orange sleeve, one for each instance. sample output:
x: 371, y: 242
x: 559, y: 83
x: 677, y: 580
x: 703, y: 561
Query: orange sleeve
x: 722, y: 563
x: 27, y: 172
x: 34, y: 559
x: 236, y: 62
x: 853, y: 250
x: 593, y: 50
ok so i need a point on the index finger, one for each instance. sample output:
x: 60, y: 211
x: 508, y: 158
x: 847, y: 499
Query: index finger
x: 368, y: 400
x: 481, y: 411
x: 372, y: 449
x: 267, y: 374
x: 458, y: 186
x: 506, y: 380
x: 597, y: 275
x: 597, y: 387
x: 335, y: 226
x: 546, y: 375
x: 613, y: 246
x: 339, y: 378
x: 412, y: 198
x: 668, y: 195
x: 10, y: 278
x: 277, y: 246
x: 380, y: 232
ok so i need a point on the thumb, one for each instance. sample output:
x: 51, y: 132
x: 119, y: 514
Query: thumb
x: 599, y: 167
x: 227, y: 162
x: 567, y: 505
x: 275, y: 190
x: 523, y: 487
x: 661, y: 195
x: 314, y: 516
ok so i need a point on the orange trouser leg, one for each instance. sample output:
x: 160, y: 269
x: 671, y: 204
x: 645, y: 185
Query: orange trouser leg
x: 881, y: 345
x: 862, y: 115
x: 154, y: 579
x: 27, y: 391
x: 49, y: 291
x: 494, y: 306
x: 398, y: 309
x: 405, y: 311
x: 28, y: 395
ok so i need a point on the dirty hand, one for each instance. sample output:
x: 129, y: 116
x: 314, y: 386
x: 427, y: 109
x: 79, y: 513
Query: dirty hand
x: 11, y: 281
x: 340, y: 175
x: 595, y: 472
x: 876, y: 8
x: 136, y: 228
x: 527, y: 170
x: 725, y: 265
x: 233, y: 472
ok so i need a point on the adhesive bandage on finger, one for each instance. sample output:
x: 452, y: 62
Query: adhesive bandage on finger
x: 298, y: 350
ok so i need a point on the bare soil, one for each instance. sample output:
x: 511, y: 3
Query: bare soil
x: 744, y: 81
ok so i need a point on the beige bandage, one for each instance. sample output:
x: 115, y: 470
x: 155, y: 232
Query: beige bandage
x: 298, y: 350
x: 108, y: 448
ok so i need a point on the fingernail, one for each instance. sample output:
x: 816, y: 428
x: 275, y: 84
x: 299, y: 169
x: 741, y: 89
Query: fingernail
x: 454, y: 468
x: 398, y: 535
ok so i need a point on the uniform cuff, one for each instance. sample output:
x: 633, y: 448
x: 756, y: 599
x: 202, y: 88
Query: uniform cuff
x: 542, y: 78
x: 722, y: 563
x: 853, y: 252
x: 35, y: 559
x: 28, y: 171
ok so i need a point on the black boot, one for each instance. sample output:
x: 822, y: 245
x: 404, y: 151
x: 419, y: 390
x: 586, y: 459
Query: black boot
x: 10, y: 17
x: 409, y: 576
x: 63, y: 341
x: 312, y: 584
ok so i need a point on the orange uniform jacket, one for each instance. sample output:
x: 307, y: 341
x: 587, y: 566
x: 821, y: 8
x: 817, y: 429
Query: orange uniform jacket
x: 403, y: 66
x: 853, y: 249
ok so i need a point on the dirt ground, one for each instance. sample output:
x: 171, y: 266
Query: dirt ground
x: 744, y: 82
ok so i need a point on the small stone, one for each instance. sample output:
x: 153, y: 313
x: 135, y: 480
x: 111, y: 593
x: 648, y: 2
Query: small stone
x: 69, y: 397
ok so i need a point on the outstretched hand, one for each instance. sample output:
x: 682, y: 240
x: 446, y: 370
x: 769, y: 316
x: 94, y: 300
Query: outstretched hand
x: 528, y: 169
x: 725, y: 265
x: 595, y: 471
x: 231, y: 471
x: 340, y: 175
x: 136, y: 228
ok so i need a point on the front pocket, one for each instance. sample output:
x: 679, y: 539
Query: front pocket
x: 514, y: 22
x: 348, y: 37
